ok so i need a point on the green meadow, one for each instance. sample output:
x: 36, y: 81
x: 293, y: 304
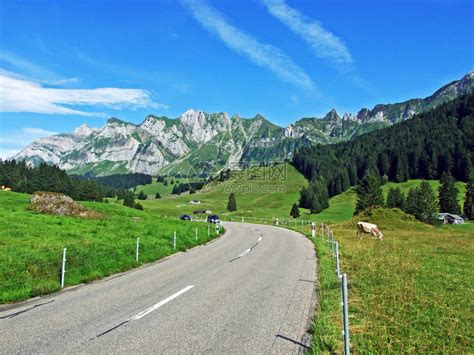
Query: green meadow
x: 31, y: 244
x: 410, y: 293
x: 256, y: 197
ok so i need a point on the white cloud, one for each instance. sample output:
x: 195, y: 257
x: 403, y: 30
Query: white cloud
x: 262, y: 54
x: 18, y: 94
x: 324, y: 43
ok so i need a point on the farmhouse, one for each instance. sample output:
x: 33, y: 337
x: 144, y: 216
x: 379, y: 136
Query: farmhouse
x: 449, y: 218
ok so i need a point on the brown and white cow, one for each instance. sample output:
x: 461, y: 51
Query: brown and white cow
x: 364, y: 227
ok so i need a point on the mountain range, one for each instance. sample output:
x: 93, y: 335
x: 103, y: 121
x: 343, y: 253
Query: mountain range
x: 197, y: 142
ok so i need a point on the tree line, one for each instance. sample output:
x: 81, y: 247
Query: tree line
x: 21, y: 177
x: 424, y: 147
x: 421, y: 201
x: 192, y: 187
x: 26, y: 179
x: 119, y: 181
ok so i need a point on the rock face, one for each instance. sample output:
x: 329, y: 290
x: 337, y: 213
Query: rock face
x: 197, y: 140
x: 59, y: 204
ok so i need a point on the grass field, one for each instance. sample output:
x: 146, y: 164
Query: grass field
x: 265, y: 198
x: 411, y: 293
x: 268, y: 198
x: 153, y: 188
x: 31, y: 244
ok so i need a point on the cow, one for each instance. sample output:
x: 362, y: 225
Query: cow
x: 364, y: 227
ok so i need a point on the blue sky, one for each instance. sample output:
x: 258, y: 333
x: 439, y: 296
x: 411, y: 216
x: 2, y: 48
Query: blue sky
x: 64, y: 63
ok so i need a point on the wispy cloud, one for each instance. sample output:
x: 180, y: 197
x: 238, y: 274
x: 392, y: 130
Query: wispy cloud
x: 264, y: 55
x: 324, y: 43
x: 62, y: 82
x: 22, y: 95
x: 25, y: 66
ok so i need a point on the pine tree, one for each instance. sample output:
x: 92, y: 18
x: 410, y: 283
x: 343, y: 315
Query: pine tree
x: 469, y: 199
x: 175, y: 190
x: 427, y: 204
x: 395, y: 198
x: 448, y: 194
x: 165, y: 182
x: 411, y: 202
x: 369, y: 193
x: 304, y: 197
x: 129, y: 200
x: 295, y: 211
x: 232, y: 203
x: 142, y: 196
x: 157, y: 195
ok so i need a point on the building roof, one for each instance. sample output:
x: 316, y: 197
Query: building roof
x: 444, y: 214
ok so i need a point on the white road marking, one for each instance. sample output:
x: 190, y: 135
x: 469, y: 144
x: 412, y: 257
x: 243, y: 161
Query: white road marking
x: 159, y: 304
x: 245, y: 252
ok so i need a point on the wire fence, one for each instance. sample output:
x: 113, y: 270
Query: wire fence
x: 326, y: 236
x: 43, y: 271
x: 28, y: 276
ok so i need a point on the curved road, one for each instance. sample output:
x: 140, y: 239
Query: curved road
x: 251, y: 291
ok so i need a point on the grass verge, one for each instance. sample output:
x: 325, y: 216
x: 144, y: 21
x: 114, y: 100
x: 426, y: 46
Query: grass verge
x: 410, y: 293
x: 31, y: 245
x: 327, y: 326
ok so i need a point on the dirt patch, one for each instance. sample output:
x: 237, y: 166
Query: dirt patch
x: 60, y: 205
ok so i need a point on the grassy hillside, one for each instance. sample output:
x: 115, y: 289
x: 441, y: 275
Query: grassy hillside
x: 267, y: 199
x: 256, y: 196
x: 341, y: 207
x: 408, y: 294
x: 154, y: 187
x: 31, y: 244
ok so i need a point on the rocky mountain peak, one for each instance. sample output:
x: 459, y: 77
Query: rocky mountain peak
x: 192, y: 117
x: 83, y: 130
x: 332, y: 115
x: 115, y: 120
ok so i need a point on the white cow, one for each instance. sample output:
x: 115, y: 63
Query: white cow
x: 364, y: 227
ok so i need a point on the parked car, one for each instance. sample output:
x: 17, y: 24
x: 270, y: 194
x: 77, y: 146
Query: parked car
x: 213, y: 219
x: 185, y: 217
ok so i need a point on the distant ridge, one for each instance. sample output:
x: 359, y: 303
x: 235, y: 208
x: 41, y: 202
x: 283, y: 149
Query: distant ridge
x: 197, y: 142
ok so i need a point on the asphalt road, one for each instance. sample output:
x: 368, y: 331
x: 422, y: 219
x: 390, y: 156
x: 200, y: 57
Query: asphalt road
x: 251, y: 291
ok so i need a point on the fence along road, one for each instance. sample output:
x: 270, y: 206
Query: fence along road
x: 252, y: 290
